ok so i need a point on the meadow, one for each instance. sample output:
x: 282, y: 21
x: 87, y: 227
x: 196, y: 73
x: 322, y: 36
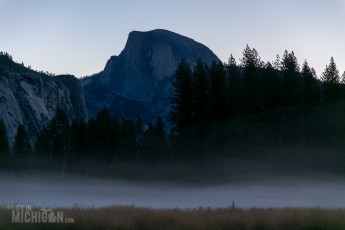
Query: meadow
x: 131, y: 217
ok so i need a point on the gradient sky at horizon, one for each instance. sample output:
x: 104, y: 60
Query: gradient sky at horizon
x: 78, y: 36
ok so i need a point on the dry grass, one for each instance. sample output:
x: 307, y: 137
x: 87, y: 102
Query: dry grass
x: 130, y: 217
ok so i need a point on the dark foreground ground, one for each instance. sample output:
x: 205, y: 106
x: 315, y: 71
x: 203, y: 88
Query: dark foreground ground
x: 130, y: 217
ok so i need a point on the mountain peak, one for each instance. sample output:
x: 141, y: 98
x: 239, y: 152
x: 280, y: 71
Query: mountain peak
x: 160, y: 34
x: 161, y: 51
x: 148, y: 59
x: 157, y: 32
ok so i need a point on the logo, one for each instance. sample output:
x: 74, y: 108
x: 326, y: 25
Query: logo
x: 30, y: 214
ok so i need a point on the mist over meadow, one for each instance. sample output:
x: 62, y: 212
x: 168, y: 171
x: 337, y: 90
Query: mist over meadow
x: 262, y: 191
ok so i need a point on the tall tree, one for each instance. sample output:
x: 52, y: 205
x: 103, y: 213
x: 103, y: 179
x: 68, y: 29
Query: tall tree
x: 218, y: 86
x: 234, y: 88
x: 291, y: 79
x: 181, y: 114
x: 4, y: 147
x: 21, y: 146
x: 251, y: 59
x: 271, y: 87
x: 277, y: 64
x: 201, y: 93
x: 330, y: 79
x: 59, y: 135
x: 311, y: 87
x: 103, y: 136
x: 252, y: 65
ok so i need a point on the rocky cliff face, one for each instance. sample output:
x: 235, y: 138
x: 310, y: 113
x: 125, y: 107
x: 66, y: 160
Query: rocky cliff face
x: 142, y: 74
x: 30, y: 98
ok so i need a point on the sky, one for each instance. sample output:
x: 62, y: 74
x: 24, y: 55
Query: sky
x: 79, y: 36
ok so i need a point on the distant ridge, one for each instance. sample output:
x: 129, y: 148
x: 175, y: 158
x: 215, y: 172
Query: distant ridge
x: 30, y: 98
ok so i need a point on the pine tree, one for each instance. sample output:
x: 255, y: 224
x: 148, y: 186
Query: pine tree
x: 331, y: 80
x: 21, y: 146
x: 103, y: 136
x: 311, y: 86
x: 4, y: 147
x: 181, y: 101
x: 218, y: 86
x: 201, y: 93
x: 271, y: 87
x: 277, y: 64
x: 252, y: 65
x: 232, y: 61
x: 292, y: 88
x: 59, y: 135
x: 234, y: 88
x: 251, y: 59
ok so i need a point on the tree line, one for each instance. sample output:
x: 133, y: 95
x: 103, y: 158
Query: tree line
x: 103, y: 138
x: 221, y: 91
x: 224, y: 108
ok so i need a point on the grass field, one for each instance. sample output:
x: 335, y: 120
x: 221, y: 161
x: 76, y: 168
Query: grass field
x: 130, y: 217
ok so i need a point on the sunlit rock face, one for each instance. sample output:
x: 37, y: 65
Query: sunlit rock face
x: 138, y: 81
x: 31, y: 98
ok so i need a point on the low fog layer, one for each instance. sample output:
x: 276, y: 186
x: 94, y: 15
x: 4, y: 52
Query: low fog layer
x: 55, y: 191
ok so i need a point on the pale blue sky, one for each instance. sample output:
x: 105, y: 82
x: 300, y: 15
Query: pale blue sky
x: 78, y: 36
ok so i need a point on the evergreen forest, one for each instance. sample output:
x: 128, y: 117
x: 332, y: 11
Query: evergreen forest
x: 279, y: 112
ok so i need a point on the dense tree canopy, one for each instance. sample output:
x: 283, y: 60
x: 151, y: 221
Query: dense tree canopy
x: 219, y: 92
